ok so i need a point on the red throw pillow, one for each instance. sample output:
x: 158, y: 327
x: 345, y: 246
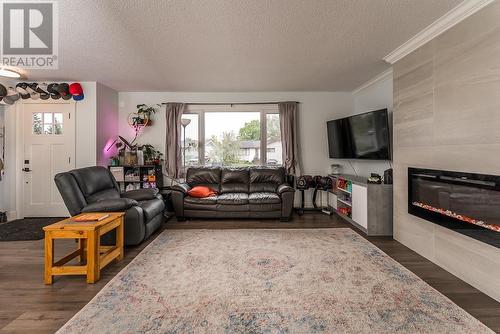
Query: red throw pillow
x: 201, y: 192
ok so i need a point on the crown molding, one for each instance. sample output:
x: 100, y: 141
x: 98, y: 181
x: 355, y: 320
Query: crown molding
x: 387, y: 74
x: 445, y: 22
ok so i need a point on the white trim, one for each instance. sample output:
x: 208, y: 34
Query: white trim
x: 445, y: 22
x: 387, y: 74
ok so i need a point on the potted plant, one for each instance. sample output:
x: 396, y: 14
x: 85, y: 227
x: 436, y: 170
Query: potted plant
x: 151, y: 155
x: 144, y: 113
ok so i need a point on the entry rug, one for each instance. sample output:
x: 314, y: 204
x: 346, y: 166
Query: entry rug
x: 268, y: 281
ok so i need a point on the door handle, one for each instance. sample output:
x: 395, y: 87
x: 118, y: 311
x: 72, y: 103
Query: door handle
x: 26, y: 169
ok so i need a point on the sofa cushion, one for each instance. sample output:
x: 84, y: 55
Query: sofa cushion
x: 196, y: 203
x: 92, y: 180
x: 264, y: 198
x: 201, y: 192
x: 232, y: 198
x: 204, y: 176
x: 151, y: 208
x: 265, y: 207
x: 234, y: 180
x: 266, y: 179
x: 201, y: 200
x: 103, y: 195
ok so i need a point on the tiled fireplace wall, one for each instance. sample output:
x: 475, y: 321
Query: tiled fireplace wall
x: 447, y: 116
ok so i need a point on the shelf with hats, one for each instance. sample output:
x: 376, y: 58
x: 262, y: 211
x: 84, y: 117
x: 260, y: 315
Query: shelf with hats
x: 40, y: 91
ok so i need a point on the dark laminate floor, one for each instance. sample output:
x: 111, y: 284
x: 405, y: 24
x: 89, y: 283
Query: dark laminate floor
x: 26, y: 304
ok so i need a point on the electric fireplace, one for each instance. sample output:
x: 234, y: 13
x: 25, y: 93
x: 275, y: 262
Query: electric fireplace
x: 464, y: 202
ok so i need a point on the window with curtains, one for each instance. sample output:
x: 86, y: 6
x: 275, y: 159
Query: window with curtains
x: 231, y: 135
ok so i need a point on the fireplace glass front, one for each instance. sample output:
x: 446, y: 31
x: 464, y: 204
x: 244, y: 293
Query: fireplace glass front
x: 464, y: 202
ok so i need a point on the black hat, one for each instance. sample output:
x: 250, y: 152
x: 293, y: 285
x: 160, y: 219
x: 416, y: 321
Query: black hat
x: 12, y: 96
x: 3, y: 91
x: 21, y: 89
x: 43, y: 90
x: 51, y: 88
x: 63, y: 89
x: 33, y: 93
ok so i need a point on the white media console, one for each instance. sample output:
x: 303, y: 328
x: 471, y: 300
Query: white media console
x: 366, y: 205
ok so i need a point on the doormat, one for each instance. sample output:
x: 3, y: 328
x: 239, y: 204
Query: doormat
x: 25, y: 229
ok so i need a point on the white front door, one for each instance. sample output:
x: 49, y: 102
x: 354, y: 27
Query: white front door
x: 49, y: 148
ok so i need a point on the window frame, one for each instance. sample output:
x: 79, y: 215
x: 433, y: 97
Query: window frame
x: 201, y: 110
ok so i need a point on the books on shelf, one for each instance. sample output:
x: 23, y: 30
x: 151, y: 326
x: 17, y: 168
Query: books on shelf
x: 132, y: 175
x: 91, y: 217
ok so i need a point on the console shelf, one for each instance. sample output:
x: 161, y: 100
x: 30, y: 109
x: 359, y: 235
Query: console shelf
x: 367, y: 206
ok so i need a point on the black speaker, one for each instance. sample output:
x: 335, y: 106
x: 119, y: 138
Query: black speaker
x: 327, y: 183
x: 304, y: 181
x: 316, y: 181
x: 388, y: 176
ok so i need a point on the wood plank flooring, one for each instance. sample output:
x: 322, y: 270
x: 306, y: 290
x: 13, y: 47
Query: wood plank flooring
x: 28, y: 305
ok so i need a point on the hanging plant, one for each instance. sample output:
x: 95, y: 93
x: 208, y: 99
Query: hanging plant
x: 144, y: 113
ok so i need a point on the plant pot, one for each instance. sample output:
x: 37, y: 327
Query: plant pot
x: 131, y: 158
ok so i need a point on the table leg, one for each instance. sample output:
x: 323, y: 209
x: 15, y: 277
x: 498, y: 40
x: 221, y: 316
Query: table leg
x: 82, y: 245
x: 49, y: 257
x: 119, y: 239
x: 93, y: 256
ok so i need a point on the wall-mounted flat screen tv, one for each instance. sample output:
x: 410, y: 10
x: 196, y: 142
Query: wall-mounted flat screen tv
x: 363, y: 136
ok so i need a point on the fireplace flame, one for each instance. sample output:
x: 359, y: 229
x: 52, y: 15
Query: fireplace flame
x: 460, y: 217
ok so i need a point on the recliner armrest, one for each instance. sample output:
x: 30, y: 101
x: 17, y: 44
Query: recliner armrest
x: 141, y: 194
x: 182, y: 187
x: 110, y: 205
x: 283, y: 188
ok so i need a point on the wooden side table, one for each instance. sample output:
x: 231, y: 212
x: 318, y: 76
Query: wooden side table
x: 89, y: 248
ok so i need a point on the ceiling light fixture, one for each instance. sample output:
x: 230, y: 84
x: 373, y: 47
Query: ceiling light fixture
x: 9, y: 73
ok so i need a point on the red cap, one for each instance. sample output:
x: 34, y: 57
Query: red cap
x: 75, y: 89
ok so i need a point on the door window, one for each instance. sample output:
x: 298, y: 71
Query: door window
x: 47, y: 123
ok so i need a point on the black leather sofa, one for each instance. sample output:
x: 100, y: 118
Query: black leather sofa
x: 254, y: 192
x: 94, y: 189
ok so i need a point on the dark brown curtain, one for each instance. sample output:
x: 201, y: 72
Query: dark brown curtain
x: 173, y: 159
x: 289, y: 137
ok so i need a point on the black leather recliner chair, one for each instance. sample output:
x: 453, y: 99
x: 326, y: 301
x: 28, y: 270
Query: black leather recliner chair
x: 255, y: 192
x: 94, y: 189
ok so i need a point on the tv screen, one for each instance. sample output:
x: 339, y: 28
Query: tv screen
x: 363, y: 136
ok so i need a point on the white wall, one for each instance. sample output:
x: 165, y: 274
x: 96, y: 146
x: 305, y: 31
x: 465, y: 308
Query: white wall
x: 86, y: 126
x: 314, y: 110
x: 7, y: 185
x: 446, y: 117
x: 107, y: 123
x: 377, y: 94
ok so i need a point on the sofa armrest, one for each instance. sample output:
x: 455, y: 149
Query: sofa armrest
x: 141, y: 194
x: 182, y: 187
x: 283, y: 188
x: 110, y: 205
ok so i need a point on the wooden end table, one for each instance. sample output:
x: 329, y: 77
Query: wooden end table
x: 89, y: 248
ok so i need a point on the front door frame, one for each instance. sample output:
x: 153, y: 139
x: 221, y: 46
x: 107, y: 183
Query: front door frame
x: 19, y: 118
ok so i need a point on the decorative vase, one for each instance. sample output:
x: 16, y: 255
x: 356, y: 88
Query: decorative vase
x: 131, y: 158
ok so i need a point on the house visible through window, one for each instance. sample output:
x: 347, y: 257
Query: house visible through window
x: 232, y: 135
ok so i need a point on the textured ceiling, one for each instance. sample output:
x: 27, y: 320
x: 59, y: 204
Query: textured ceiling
x: 234, y: 45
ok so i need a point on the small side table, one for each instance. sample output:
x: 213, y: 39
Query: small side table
x: 89, y: 248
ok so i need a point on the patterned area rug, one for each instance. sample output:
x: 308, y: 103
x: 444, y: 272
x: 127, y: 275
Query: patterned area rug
x: 268, y: 281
